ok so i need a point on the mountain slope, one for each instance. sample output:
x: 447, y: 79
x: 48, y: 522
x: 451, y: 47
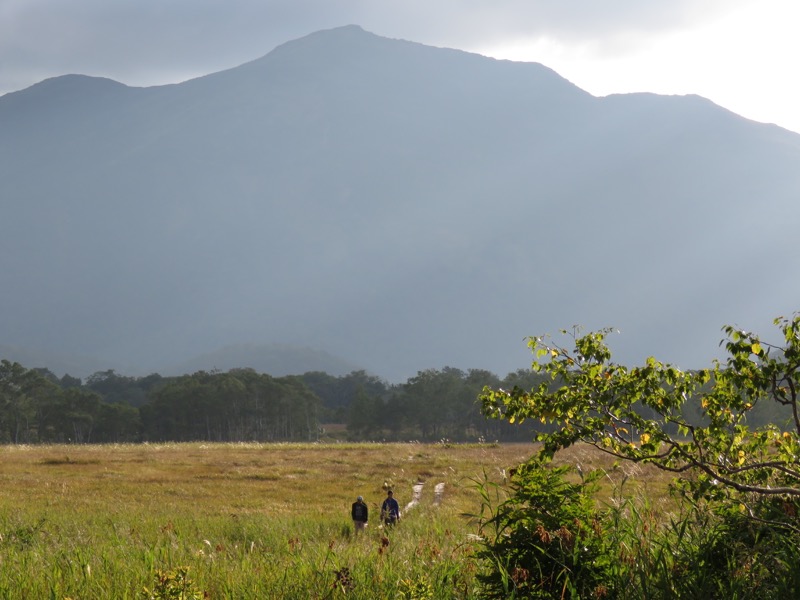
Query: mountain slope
x: 397, y: 205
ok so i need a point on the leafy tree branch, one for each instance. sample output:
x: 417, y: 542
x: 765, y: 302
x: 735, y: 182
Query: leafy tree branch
x: 692, y: 423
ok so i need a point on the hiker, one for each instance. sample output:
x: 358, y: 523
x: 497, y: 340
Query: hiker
x: 390, y: 510
x: 360, y: 514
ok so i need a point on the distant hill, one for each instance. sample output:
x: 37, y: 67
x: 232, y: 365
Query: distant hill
x: 275, y: 359
x: 397, y: 205
x: 75, y: 365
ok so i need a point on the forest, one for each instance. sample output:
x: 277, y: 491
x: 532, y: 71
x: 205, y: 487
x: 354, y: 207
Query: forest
x: 242, y: 405
x: 36, y: 406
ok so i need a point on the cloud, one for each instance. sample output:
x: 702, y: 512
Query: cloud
x: 477, y: 23
x: 142, y: 42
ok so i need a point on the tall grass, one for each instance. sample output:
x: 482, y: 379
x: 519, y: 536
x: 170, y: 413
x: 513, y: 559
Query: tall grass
x: 237, y: 521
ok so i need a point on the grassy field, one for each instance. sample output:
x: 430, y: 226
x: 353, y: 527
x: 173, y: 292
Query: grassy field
x: 239, y: 520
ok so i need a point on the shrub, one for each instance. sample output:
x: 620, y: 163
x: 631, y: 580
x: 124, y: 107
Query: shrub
x: 546, y: 539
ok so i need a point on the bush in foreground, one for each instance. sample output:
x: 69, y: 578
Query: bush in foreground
x: 736, y: 489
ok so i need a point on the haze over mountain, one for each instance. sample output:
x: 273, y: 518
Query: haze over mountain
x: 394, y: 205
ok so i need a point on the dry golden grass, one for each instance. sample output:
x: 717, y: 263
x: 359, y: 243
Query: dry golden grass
x: 272, y: 479
x: 647, y: 485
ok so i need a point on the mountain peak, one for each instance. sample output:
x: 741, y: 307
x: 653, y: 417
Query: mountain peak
x: 318, y: 45
x: 73, y: 93
x: 349, y: 57
x: 75, y: 85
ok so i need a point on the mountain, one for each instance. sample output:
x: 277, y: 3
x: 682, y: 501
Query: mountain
x: 276, y: 359
x: 394, y: 205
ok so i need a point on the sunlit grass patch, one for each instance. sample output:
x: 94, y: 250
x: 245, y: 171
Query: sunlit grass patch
x: 247, y: 520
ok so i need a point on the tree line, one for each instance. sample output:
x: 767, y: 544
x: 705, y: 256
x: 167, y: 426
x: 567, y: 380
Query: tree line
x: 240, y: 405
x: 36, y: 406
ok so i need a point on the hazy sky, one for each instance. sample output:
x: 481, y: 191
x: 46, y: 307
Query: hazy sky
x: 742, y: 54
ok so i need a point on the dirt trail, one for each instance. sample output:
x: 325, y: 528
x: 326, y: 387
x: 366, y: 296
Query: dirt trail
x: 416, y: 494
x: 438, y: 492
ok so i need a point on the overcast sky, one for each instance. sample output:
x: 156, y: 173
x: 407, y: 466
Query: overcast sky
x: 742, y: 54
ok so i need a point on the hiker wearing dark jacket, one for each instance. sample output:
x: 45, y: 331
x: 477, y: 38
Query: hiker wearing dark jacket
x: 390, y: 510
x: 360, y: 514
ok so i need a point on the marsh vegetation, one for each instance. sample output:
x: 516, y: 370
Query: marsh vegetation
x: 239, y: 520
